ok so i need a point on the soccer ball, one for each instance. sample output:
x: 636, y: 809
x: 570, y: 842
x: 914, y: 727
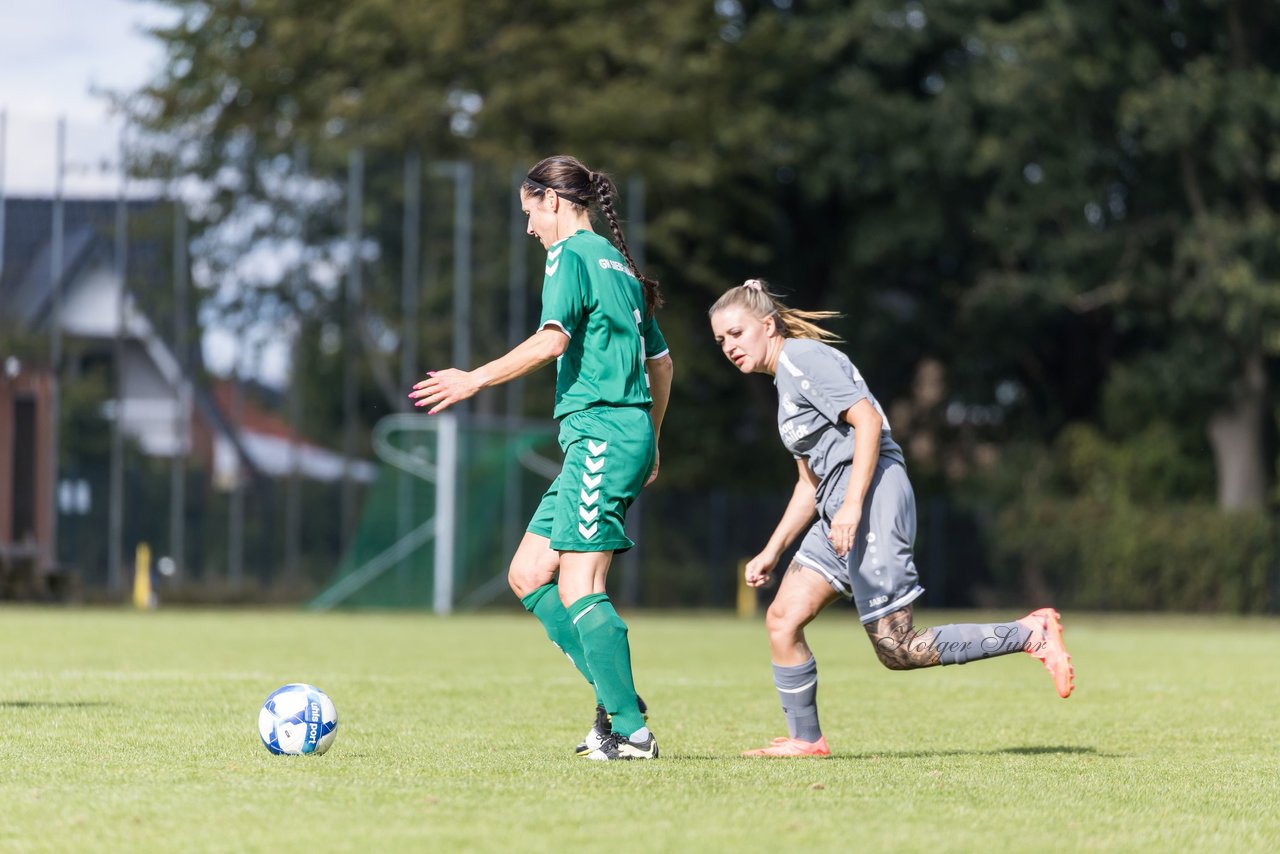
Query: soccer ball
x: 298, y: 718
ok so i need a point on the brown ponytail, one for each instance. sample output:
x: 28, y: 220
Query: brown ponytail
x: 604, y: 193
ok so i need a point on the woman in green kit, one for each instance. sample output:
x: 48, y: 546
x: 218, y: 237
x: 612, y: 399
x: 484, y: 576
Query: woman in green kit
x: 612, y: 383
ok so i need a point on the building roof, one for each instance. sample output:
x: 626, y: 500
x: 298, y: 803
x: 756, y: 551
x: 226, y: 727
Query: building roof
x: 268, y: 445
x: 261, y: 443
x: 26, y: 281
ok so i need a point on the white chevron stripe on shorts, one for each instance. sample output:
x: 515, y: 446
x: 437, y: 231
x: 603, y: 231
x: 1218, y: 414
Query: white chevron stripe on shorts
x: 595, y: 465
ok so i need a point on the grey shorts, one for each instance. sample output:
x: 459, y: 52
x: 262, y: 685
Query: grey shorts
x: 879, y: 572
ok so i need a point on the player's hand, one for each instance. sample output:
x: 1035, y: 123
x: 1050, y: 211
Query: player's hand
x: 442, y: 389
x: 653, y: 475
x: 844, y: 527
x: 760, y: 569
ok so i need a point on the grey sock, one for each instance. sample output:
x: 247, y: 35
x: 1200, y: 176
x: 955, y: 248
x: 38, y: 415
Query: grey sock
x: 798, y: 690
x: 960, y: 642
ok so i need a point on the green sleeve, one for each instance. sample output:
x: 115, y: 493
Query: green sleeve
x: 654, y: 344
x: 564, y: 291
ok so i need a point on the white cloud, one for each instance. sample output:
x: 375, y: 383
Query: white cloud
x: 54, y: 55
x: 56, y: 58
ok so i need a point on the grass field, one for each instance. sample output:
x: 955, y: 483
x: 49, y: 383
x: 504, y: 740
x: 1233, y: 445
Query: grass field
x: 137, y: 732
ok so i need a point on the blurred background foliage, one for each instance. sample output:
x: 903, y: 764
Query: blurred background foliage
x: 1051, y: 227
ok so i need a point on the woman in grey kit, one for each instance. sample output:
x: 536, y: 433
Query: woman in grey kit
x: 852, y: 476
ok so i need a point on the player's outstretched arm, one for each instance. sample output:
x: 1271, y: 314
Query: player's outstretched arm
x: 442, y: 389
x: 795, y: 519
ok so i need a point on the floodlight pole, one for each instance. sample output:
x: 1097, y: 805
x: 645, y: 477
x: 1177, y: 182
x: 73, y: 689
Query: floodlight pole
x: 55, y: 331
x: 235, y: 512
x: 448, y: 497
x: 517, y: 297
x: 463, y: 179
x: 115, y: 556
x: 293, y: 486
x: 455, y: 489
x: 410, y: 283
x: 182, y: 420
x: 351, y: 335
x: 410, y: 273
x: 56, y: 251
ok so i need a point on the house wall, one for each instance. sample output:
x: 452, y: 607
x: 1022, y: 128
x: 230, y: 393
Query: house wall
x: 91, y: 304
x: 38, y: 388
x: 151, y: 375
x: 151, y: 405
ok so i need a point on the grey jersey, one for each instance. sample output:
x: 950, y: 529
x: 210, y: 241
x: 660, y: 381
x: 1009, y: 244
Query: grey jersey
x: 816, y: 385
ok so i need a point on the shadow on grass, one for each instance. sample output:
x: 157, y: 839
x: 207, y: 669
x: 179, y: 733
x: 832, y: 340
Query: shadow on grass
x: 1035, y: 750
x: 51, y: 704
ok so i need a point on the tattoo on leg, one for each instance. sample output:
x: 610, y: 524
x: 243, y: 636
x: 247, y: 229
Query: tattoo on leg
x: 898, y: 645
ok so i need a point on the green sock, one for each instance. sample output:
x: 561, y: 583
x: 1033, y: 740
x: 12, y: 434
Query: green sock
x: 604, y: 640
x: 544, y: 603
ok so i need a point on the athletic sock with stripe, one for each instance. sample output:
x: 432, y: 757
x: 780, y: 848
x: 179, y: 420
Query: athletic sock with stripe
x: 958, y: 643
x: 798, y: 689
x: 608, y: 654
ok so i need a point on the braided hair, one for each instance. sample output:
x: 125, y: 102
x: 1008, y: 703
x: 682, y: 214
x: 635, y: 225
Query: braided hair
x: 754, y: 296
x: 578, y: 185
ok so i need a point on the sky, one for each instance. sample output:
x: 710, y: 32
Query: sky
x: 55, y: 57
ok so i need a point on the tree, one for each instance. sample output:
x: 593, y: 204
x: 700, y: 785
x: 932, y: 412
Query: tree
x: 1069, y: 205
x: 1158, y: 123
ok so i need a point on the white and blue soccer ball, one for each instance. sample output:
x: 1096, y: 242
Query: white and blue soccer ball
x: 298, y: 719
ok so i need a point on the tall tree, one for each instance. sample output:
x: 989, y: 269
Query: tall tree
x: 1069, y: 205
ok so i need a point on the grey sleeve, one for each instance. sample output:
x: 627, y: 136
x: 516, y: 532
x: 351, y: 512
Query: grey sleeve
x: 831, y: 383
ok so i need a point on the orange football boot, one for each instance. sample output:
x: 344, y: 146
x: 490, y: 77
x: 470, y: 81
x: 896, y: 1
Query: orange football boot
x: 1046, y: 644
x: 784, y: 746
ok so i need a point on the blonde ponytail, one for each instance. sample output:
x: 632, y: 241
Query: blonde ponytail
x: 754, y: 296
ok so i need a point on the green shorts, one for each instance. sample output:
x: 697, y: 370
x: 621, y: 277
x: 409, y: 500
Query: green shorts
x: 608, y: 455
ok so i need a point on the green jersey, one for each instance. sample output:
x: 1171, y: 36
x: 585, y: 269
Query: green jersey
x: 593, y: 297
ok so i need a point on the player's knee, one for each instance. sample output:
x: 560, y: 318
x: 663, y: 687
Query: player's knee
x: 524, y: 577
x: 782, y: 621
x: 518, y: 584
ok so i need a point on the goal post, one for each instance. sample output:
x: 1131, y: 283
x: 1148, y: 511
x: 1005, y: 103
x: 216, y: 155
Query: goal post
x: 452, y: 491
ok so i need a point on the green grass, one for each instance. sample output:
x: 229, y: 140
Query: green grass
x: 122, y: 731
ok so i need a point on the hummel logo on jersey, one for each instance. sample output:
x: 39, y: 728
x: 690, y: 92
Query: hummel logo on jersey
x: 594, y: 465
x: 587, y: 532
x: 588, y: 498
x: 596, y: 450
x: 588, y: 517
x: 553, y: 259
x: 592, y: 482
